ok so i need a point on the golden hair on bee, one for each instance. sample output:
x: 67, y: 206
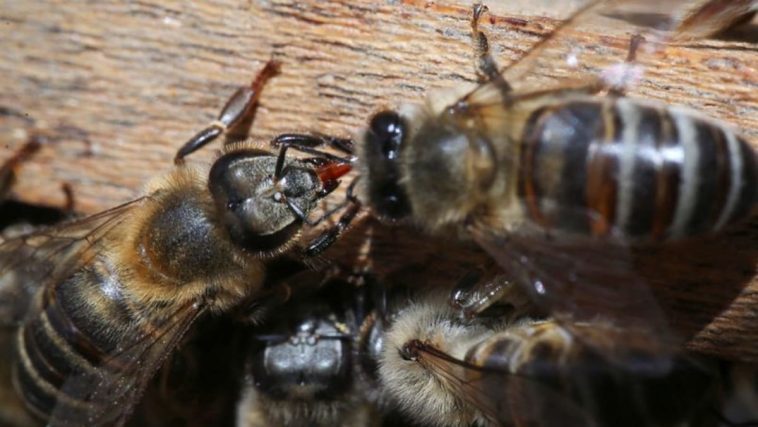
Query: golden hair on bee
x: 116, y: 292
x: 425, y: 393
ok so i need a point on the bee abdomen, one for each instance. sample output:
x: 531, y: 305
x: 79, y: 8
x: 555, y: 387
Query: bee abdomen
x: 80, y: 329
x: 632, y: 171
x: 546, y: 375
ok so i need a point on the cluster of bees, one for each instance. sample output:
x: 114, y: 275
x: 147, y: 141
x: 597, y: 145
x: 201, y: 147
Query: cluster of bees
x: 201, y: 303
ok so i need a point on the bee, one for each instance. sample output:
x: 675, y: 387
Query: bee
x: 101, y: 302
x: 314, y: 361
x: 442, y: 370
x: 560, y: 184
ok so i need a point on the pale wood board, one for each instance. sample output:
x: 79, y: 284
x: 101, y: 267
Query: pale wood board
x: 117, y: 87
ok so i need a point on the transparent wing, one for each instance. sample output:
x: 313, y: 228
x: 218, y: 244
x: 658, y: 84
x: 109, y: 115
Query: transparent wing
x: 605, y: 44
x: 536, y: 374
x: 595, y: 40
x: 47, y: 255
x: 585, y: 281
x: 710, y: 17
x: 107, y: 394
x: 104, y: 394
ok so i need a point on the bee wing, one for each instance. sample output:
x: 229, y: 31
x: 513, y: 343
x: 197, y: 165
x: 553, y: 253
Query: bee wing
x: 566, y: 53
x: 503, y: 397
x: 536, y: 374
x: 29, y: 262
x: 713, y: 16
x: 106, y: 396
x: 582, y: 281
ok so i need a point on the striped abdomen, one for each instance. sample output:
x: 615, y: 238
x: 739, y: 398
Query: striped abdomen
x: 83, y: 328
x: 633, y: 171
x: 538, y: 374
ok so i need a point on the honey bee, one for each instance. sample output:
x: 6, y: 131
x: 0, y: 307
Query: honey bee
x: 101, y: 302
x: 559, y: 184
x: 501, y: 371
x: 314, y: 361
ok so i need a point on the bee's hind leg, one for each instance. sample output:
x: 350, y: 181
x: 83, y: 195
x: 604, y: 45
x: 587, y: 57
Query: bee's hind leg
x: 486, y: 68
x: 482, y: 293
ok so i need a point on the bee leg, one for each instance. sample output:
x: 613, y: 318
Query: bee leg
x: 626, y: 72
x: 328, y: 237
x: 476, y: 293
x: 8, y: 170
x: 487, y: 69
x: 308, y: 143
x: 68, y: 194
x: 239, y: 106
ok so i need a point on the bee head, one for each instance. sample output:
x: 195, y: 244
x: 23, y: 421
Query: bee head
x: 262, y: 212
x: 382, y: 147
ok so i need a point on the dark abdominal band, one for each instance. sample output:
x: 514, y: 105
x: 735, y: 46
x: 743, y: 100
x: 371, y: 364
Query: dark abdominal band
x: 78, y: 329
x: 640, y: 172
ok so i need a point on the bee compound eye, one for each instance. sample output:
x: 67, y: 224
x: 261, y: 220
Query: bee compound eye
x: 387, y: 129
x: 409, y: 351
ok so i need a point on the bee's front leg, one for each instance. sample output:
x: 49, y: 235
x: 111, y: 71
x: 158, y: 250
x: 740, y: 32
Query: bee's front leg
x: 239, y: 107
x: 486, y: 68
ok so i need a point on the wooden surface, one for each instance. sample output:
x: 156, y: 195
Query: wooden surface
x: 116, y: 87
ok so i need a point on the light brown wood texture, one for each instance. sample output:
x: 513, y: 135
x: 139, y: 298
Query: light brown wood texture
x: 116, y: 87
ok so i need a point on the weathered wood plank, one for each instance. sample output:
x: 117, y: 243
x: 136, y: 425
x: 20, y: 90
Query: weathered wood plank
x: 117, y: 87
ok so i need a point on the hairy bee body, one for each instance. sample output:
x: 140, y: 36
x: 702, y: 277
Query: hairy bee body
x: 587, y: 166
x: 101, y: 302
x: 86, y: 320
x: 441, y: 370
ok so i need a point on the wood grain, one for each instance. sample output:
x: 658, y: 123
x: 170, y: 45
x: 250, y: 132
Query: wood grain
x: 116, y: 87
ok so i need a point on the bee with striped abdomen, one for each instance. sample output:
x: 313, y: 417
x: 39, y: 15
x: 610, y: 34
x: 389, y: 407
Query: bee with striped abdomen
x: 16, y: 219
x: 104, y: 300
x: 561, y: 183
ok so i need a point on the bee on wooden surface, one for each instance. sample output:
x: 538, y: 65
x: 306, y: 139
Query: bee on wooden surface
x: 445, y: 371
x: 558, y: 183
x: 101, y: 302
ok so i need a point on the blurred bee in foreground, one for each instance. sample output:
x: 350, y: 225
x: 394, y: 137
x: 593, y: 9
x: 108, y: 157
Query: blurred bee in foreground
x: 558, y: 183
x: 101, y: 302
